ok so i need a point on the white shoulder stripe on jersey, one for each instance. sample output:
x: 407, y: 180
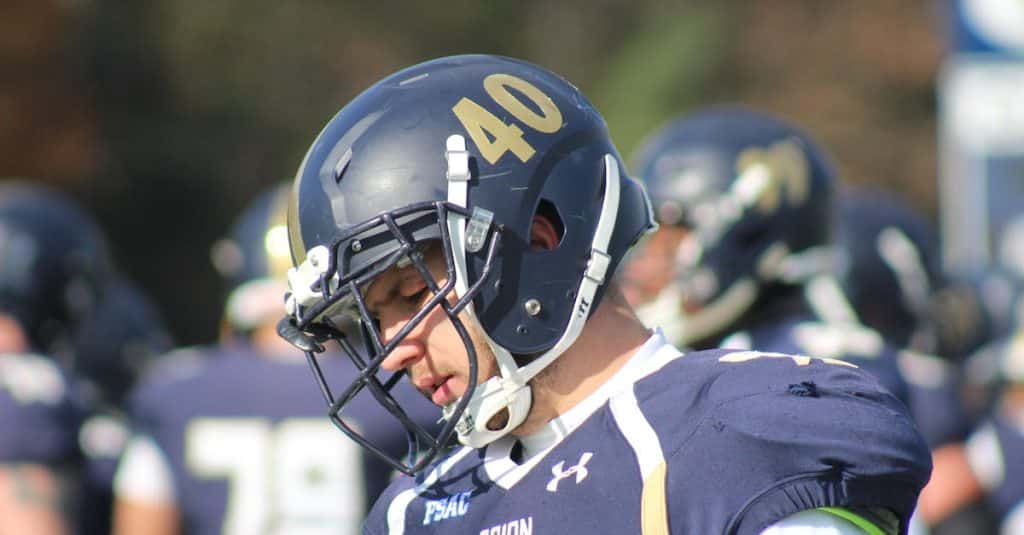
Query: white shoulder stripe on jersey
x: 638, y: 432
x: 398, y: 506
x: 651, y: 357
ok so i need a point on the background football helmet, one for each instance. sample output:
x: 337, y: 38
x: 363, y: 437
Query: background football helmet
x: 462, y: 151
x: 54, y: 264
x: 254, y: 260
x: 120, y: 340
x: 755, y: 194
x: 890, y: 265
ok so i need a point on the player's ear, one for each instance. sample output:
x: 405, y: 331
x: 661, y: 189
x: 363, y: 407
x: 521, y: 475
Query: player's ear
x: 543, y: 234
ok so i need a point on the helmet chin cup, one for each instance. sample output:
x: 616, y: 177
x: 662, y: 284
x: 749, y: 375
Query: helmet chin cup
x: 489, y: 400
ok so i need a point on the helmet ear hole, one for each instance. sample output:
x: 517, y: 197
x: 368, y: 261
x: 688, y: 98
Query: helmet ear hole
x: 548, y: 212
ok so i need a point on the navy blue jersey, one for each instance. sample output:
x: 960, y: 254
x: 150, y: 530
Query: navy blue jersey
x: 804, y: 335
x: 39, y: 415
x: 251, y: 450
x: 712, y: 442
x: 925, y: 384
x: 996, y: 454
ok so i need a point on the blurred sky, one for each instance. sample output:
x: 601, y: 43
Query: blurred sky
x: 166, y: 117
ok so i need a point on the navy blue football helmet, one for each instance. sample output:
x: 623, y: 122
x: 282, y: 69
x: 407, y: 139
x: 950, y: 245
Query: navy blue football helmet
x: 463, y: 152
x: 755, y: 195
x: 254, y: 260
x: 890, y: 265
x: 54, y: 264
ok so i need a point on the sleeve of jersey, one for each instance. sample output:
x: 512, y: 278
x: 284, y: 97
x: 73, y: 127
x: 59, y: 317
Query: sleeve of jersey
x: 38, y: 430
x: 782, y: 435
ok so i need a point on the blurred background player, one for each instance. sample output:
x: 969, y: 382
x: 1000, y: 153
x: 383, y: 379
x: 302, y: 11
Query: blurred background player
x: 889, y: 272
x: 120, y: 341
x: 978, y: 305
x: 236, y: 441
x: 54, y: 263
x: 890, y: 264
x: 744, y: 254
x: 747, y: 257
x: 995, y: 450
x: 987, y: 308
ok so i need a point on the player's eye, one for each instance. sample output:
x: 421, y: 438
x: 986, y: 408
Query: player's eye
x: 418, y: 298
x: 412, y: 288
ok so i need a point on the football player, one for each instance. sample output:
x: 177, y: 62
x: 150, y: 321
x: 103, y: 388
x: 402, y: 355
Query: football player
x: 890, y: 266
x: 744, y: 257
x: 53, y: 265
x: 121, y: 339
x: 889, y: 274
x: 232, y: 442
x: 471, y: 212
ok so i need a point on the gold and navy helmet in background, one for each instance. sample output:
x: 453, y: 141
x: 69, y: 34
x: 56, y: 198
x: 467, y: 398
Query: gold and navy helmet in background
x: 253, y: 261
x: 754, y: 194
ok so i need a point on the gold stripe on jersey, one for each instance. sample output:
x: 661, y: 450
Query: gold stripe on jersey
x: 653, y: 504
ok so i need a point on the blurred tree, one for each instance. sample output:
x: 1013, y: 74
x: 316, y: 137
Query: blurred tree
x: 167, y: 116
x: 664, y: 66
x: 46, y: 126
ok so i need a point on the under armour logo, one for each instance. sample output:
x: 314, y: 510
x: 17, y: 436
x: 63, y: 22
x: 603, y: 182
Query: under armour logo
x: 579, y: 470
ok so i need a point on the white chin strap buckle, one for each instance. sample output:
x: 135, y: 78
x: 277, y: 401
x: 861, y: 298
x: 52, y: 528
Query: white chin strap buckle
x: 489, y: 400
x: 302, y: 279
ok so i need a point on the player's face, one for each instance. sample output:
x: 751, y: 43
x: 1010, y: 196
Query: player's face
x: 653, y: 266
x: 433, y: 353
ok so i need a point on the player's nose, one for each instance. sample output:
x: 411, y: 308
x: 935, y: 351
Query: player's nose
x: 409, y: 349
x: 405, y: 354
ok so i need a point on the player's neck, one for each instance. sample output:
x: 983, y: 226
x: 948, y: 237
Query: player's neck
x: 610, y: 338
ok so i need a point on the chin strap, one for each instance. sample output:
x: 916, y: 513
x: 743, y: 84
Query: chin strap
x: 508, y: 396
